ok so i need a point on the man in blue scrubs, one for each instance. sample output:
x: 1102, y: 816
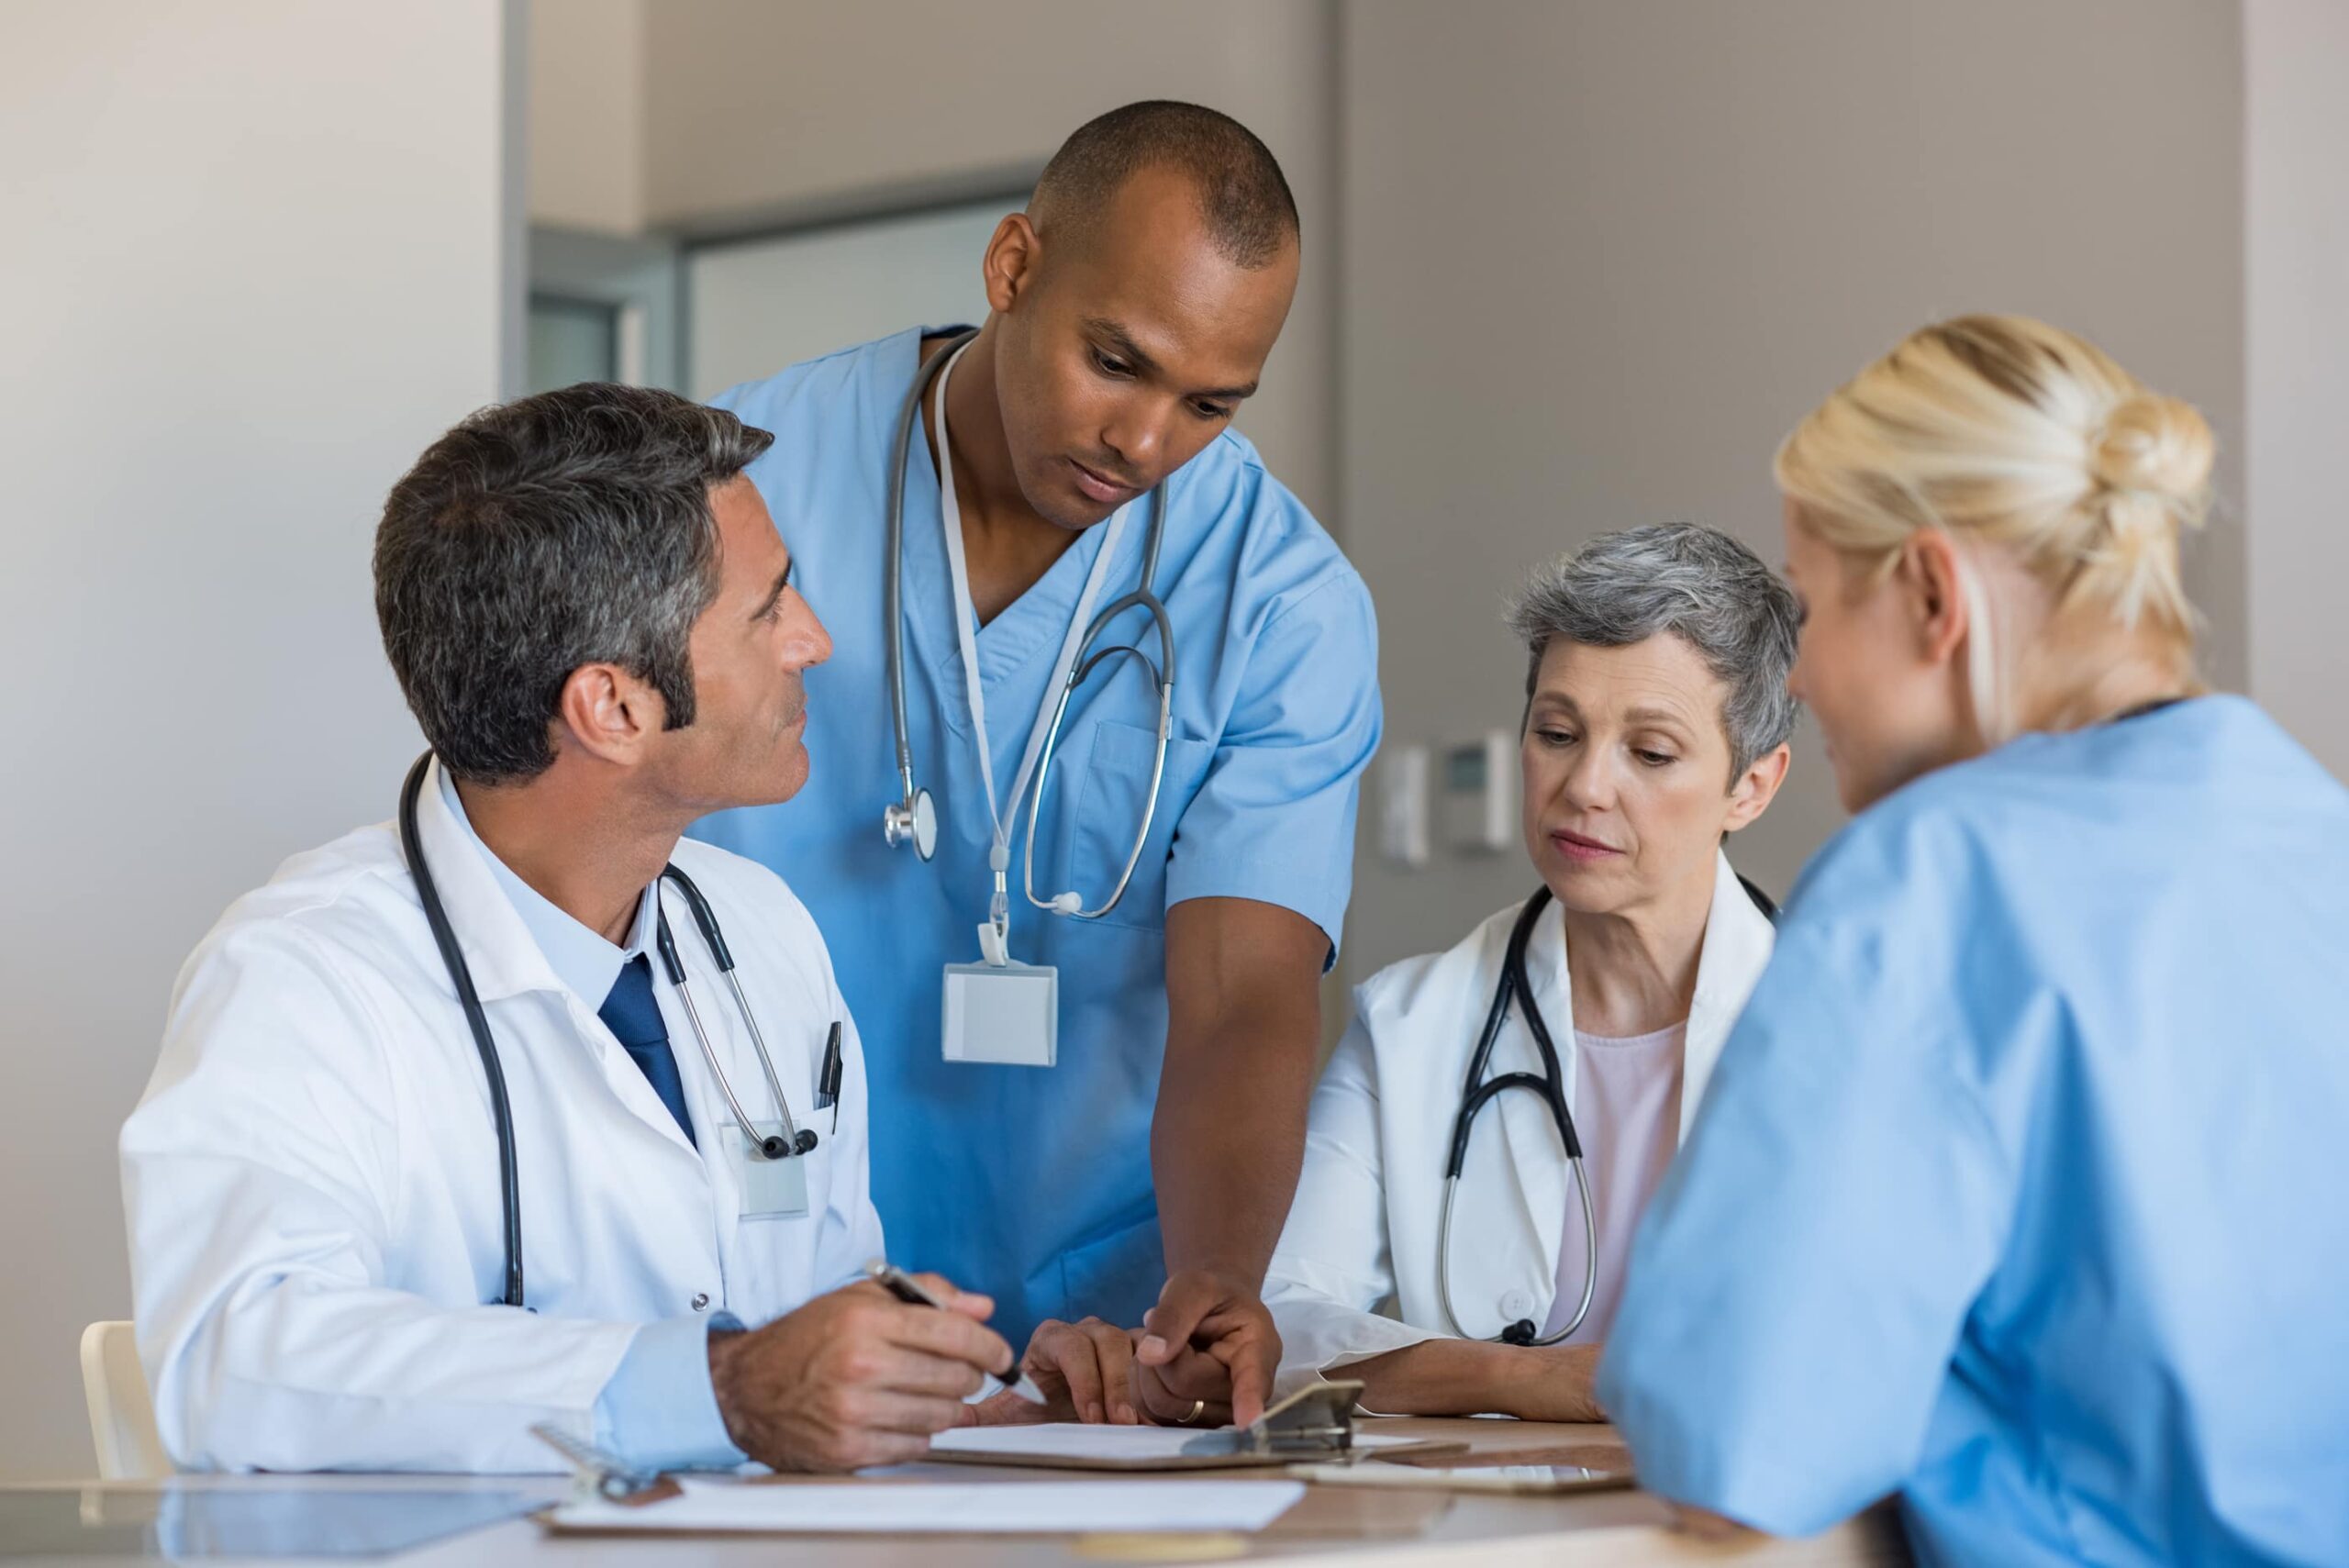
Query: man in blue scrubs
x: 1148, y: 1168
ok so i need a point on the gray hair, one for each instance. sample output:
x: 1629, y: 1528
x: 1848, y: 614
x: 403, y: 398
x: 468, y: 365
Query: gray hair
x: 1699, y: 584
x: 573, y: 528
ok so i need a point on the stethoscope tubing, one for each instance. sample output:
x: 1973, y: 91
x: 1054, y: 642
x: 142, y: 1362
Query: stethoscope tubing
x: 893, y: 580
x: 1476, y: 1093
x: 1148, y: 601
x: 1145, y: 597
x: 793, y: 1142
x: 461, y: 975
x: 706, y: 918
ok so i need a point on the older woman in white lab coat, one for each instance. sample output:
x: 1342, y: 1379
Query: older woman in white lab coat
x: 1656, y: 724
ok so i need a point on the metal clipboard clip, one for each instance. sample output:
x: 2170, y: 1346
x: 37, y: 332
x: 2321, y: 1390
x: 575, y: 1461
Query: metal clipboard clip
x: 599, y: 1474
x: 1317, y: 1422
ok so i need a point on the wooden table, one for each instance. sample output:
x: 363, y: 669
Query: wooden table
x: 1335, y: 1527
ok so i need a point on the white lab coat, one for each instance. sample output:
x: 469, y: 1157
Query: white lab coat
x: 1363, y: 1223
x: 312, y: 1183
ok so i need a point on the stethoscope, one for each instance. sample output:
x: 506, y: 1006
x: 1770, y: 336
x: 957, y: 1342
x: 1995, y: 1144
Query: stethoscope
x: 913, y: 818
x: 791, y: 1141
x: 1477, y: 1092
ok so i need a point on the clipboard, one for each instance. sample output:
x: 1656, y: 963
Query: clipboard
x: 1314, y: 1425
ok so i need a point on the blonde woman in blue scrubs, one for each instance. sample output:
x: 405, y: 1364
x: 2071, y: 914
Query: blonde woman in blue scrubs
x: 2017, y: 1190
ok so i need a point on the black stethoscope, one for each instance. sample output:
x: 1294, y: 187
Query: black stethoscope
x: 792, y: 1142
x: 1477, y: 1092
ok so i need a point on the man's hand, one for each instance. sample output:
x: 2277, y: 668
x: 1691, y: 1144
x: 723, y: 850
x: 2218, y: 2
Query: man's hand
x: 854, y: 1378
x: 1208, y: 1353
x: 1083, y: 1370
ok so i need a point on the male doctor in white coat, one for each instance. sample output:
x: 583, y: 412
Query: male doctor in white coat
x: 594, y: 621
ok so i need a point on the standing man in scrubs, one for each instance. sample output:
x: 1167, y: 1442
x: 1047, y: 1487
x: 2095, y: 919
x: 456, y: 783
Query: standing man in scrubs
x: 1141, y: 1176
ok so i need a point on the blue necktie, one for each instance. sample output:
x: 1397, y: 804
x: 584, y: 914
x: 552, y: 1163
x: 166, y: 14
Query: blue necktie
x: 634, y: 1018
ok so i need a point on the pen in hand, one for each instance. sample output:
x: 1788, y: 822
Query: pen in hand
x: 907, y: 1289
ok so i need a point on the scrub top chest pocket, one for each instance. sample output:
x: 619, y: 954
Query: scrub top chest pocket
x: 1115, y: 792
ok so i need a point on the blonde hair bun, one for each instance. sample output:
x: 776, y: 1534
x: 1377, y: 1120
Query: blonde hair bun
x: 2158, y: 447
x: 2011, y: 432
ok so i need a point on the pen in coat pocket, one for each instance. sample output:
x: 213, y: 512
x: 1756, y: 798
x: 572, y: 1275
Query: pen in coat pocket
x: 828, y: 1079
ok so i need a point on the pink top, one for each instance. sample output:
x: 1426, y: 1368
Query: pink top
x: 1627, y: 1110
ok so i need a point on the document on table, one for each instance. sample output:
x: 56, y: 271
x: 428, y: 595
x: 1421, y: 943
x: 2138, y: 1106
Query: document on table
x: 1048, y: 1508
x: 1057, y: 1444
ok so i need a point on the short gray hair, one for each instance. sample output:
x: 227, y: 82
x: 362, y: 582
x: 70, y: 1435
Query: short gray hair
x: 573, y: 528
x: 1699, y: 584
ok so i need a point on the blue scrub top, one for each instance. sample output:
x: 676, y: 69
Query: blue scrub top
x: 1034, y: 1183
x: 2019, y: 1188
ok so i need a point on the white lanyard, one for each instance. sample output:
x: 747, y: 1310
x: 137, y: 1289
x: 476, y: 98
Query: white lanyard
x: 1000, y: 814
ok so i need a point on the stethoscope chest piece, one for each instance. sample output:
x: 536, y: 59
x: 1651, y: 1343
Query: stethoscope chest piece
x: 915, y: 822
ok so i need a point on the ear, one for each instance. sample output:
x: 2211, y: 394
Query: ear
x: 1757, y: 787
x: 1931, y: 575
x: 1009, y: 269
x: 608, y: 713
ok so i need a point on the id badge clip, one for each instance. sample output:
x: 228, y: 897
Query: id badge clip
x: 1001, y: 1011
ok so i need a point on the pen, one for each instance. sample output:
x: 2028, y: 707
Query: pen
x: 907, y: 1289
x: 601, y: 1474
x: 827, y: 1081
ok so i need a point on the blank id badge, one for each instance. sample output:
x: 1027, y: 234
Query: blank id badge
x: 772, y: 1189
x: 1006, y: 1014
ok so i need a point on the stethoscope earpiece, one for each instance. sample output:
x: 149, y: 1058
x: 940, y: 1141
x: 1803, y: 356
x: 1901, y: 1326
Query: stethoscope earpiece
x: 1522, y: 1332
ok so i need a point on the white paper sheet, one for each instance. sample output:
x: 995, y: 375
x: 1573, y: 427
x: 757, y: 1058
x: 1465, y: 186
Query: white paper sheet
x: 1048, y: 1508
x: 1070, y: 1440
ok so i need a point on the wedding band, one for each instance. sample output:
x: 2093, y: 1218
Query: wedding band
x: 1199, y: 1408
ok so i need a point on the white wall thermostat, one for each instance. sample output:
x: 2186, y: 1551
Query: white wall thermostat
x: 1479, y: 795
x: 1403, y: 806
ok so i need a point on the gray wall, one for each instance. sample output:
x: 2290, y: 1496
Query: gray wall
x: 1599, y: 257
x: 2297, y: 239
x: 259, y: 248
x: 757, y: 113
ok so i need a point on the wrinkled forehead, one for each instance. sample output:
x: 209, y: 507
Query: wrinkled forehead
x: 1660, y: 679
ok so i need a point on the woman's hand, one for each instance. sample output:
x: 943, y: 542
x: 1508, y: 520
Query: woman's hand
x: 1474, y: 1377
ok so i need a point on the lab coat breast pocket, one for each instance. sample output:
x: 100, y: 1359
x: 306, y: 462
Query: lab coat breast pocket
x: 1110, y: 808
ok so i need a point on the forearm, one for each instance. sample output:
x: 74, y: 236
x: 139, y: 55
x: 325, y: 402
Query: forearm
x: 1228, y: 1138
x: 1470, y: 1377
x: 1244, y: 1033
x: 269, y: 1382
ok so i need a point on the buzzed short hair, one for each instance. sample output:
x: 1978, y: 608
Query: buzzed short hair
x: 1243, y: 199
